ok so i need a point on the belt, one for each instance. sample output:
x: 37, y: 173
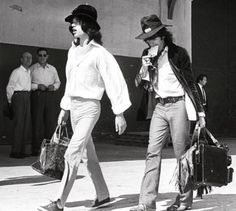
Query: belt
x: 37, y: 90
x: 163, y: 101
x: 21, y: 91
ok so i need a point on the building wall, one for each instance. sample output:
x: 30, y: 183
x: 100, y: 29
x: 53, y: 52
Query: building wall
x: 214, y: 53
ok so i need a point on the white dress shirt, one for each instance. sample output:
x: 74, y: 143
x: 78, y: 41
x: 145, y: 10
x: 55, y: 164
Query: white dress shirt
x: 90, y: 70
x: 44, y: 75
x: 19, y: 81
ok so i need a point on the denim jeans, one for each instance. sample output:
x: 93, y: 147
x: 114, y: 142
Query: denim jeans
x: 170, y: 118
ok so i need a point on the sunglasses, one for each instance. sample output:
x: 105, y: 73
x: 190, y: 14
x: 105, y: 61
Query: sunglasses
x: 42, y: 55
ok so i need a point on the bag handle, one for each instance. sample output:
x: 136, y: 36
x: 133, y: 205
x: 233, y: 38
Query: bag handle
x: 196, y: 135
x: 214, y: 140
x: 60, y: 132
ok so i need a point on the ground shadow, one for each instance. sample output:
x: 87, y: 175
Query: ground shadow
x: 36, y: 180
x: 212, y: 202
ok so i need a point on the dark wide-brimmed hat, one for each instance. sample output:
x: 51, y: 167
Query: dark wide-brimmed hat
x: 86, y: 11
x: 150, y: 26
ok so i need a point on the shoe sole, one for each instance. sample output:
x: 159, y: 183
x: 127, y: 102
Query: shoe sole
x: 100, y: 206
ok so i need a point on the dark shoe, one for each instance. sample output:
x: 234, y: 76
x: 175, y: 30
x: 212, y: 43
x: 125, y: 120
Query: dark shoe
x: 50, y: 207
x: 16, y: 155
x: 142, y: 207
x: 97, y: 204
x: 175, y: 207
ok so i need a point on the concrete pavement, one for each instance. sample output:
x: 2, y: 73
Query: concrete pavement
x: 23, y: 189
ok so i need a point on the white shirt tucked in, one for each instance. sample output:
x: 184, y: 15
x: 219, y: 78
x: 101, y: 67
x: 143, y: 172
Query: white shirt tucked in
x: 44, y: 75
x: 19, y: 81
x: 91, y: 70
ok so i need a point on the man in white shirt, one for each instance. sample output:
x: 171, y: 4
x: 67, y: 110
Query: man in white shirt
x: 45, y: 82
x: 18, y: 95
x: 90, y: 70
x: 166, y: 72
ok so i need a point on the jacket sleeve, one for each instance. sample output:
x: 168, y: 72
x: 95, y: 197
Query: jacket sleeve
x: 185, y: 66
x: 142, y: 81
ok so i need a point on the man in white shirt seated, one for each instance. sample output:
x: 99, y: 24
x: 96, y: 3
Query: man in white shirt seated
x: 18, y: 95
x: 45, y: 82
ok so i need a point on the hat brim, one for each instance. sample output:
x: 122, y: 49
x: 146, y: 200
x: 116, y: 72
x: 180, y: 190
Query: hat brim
x: 145, y: 36
x: 69, y: 19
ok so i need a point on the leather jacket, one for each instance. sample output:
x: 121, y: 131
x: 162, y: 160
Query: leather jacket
x: 180, y: 63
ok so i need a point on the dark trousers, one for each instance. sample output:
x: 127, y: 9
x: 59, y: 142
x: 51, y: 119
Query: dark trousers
x: 43, y: 117
x: 22, y: 121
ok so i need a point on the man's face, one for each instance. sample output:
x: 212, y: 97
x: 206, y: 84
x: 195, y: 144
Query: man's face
x: 204, y: 81
x: 26, y: 59
x: 156, y: 41
x: 76, y: 28
x: 42, y: 57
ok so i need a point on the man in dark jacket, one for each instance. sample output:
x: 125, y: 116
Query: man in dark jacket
x: 166, y: 72
x: 201, y: 83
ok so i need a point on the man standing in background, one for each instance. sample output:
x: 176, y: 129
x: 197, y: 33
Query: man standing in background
x: 201, y: 83
x: 18, y: 95
x: 44, y: 83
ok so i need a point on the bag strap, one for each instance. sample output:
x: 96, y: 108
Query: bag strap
x: 214, y: 140
x: 60, y: 132
x: 196, y: 134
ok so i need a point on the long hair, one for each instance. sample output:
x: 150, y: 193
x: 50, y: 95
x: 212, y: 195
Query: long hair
x: 90, y: 28
x: 164, y: 33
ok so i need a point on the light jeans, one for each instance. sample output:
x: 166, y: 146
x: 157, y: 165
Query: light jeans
x: 84, y: 115
x: 172, y: 119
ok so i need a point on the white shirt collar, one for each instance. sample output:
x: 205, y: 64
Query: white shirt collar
x: 23, y: 68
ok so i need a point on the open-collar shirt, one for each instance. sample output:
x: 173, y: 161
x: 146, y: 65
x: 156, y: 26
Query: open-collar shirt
x: 91, y: 70
x: 19, y: 81
x: 44, y: 75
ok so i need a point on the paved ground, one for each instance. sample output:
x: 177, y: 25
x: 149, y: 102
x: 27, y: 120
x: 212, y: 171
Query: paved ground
x: 23, y: 189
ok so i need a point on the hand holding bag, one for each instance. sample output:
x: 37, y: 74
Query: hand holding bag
x: 51, y: 159
x: 205, y: 163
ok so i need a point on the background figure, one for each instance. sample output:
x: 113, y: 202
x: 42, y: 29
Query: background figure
x: 166, y: 72
x: 90, y: 70
x: 201, y: 83
x: 44, y: 83
x: 18, y: 95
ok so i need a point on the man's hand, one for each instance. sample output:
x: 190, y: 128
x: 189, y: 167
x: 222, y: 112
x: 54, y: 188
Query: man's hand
x: 146, y: 61
x: 63, y: 117
x: 42, y: 87
x: 50, y: 88
x: 120, y: 123
x: 202, y: 122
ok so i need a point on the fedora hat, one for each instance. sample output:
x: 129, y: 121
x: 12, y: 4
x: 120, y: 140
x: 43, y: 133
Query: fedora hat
x: 86, y: 11
x: 150, y: 25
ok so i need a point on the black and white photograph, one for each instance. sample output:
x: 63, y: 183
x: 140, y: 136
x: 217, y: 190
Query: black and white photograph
x: 117, y: 105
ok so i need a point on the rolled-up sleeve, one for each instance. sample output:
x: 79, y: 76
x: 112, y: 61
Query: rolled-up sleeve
x: 115, y: 85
